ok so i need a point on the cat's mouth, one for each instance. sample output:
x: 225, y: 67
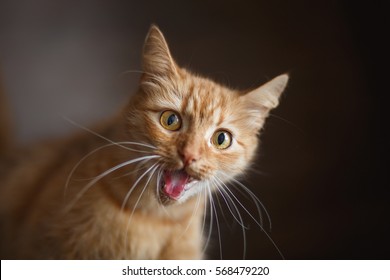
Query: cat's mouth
x: 175, y: 183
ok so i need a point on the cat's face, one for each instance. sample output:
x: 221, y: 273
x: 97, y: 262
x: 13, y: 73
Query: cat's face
x: 204, y: 133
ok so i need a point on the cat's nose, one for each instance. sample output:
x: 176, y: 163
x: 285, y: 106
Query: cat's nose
x: 189, y: 156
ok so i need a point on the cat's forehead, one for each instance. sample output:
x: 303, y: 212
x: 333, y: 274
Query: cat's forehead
x: 202, y: 96
x: 201, y: 102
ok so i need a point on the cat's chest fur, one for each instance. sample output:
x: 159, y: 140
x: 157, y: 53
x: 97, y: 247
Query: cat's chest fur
x: 107, y: 232
x: 95, y: 227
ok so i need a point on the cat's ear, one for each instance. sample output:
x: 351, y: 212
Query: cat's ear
x: 157, y: 59
x: 265, y: 98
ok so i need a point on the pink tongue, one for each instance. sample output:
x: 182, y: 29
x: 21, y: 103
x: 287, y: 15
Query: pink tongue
x: 174, y: 183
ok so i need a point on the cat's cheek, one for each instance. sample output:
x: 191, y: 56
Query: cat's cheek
x: 235, y: 163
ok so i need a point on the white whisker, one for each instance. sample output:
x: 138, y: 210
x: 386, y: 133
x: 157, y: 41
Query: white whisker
x: 192, y: 216
x: 216, y: 222
x: 105, y: 138
x: 257, y: 222
x: 220, y: 205
x: 134, y: 185
x: 105, y: 173
x: 256, y: 200
x: 139, y: 197
x: 143, y: 190
x: 229, y: 203
x: 204, y: 219
x: 240, y: 220
x: 91, y: 153
x: 154, y: 168
x: 160, y: 204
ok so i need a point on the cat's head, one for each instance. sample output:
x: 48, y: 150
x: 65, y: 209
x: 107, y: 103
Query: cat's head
x: 205, y: 133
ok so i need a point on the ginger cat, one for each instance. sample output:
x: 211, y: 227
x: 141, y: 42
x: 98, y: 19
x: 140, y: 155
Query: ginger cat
x: 137, y: 186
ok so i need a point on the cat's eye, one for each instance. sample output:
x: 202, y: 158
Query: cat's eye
x: 221, y: 139
x: 170, y: 120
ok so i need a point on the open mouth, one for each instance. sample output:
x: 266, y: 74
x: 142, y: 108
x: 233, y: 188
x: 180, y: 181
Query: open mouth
x: 175, y: 183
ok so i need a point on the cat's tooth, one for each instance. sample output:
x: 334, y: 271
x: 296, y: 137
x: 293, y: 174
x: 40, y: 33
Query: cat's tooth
x: 190, y: 184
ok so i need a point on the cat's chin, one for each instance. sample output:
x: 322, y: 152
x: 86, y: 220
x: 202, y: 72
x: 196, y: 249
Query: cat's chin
x: 176, y: 186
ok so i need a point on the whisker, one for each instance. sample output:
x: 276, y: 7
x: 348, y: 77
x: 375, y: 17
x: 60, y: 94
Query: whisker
x: 192, y: 216
x: 301, y: 131
x: 261, y: 227
x: 143, y: 190
x: 205, y: 195
x: 239, y: 219
x: 91, y: 153
x: 259, y: 172
x: 212, y: 207
x: 139, y: 197
x: 223, y: 193
x: 243, y: 207
x: 105, y: 138
x: 256, y: 200
x: 105, y: 173
x: 133, y: 186
x: 140, y: 166
x: 160, y: 204
x: 221, y: 207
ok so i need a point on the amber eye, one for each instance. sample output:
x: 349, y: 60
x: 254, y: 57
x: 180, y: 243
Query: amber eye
x: 221, y: 139
x: 170, y: 120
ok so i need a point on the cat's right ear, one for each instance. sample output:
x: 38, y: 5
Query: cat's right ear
x: 261, y: 100
x: 157, y: 59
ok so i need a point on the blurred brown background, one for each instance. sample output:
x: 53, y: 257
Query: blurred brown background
x: 322, y: 160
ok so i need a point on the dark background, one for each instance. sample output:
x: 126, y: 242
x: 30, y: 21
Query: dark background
x: 323, y: 157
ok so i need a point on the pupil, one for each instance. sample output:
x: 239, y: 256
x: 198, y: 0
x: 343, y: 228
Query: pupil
x: 171, y: 119
x: 221, y: 138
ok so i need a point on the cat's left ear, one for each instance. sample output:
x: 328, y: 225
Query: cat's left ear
x: 265, y: 98
x: 157, y: 59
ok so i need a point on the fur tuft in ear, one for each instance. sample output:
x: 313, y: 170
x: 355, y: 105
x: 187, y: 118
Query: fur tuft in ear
x: 156, y: 56
x: 266, y: 97
x: 261, y: 100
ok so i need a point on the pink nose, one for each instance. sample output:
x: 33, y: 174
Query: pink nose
x: 189, y: 156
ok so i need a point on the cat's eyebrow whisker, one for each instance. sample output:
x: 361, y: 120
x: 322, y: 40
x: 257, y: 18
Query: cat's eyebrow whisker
x: 259, y: 172
x: 301, y: 131
x: 105, y: 138
x: 105, y: 173
x: 131, y: 71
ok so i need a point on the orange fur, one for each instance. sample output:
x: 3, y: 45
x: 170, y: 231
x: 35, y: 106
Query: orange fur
x: 46, y: 215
